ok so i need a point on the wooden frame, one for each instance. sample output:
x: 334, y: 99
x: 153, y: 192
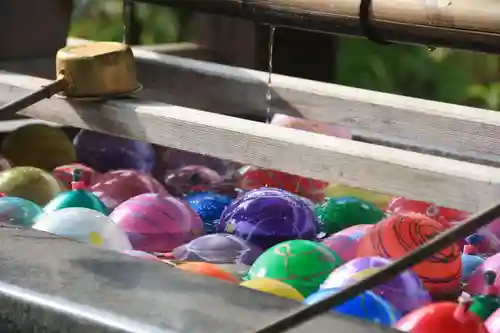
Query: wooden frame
x: 444, y: 181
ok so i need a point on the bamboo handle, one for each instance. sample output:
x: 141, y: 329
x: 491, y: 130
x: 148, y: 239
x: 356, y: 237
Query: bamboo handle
x: 45, y: 92
x: 442, y: 240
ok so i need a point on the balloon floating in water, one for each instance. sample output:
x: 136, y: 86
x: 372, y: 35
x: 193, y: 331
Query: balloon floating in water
x: 117, y: 186
x: 207, y: 269
x: 343, y: 245
x: 366, y: 306
x: 302, y: 264
x: 105, y: 152
x: 476, y: 284
x: 493, y: 322
x: 378, y: 199
x: 442, y: 317
x: 397, y: 235
x: 29, y: 183
x: 254, y: 178
x: 336, y: 214
x: 209, y: 206
x: 77, y: 197
x: 405, y: 292
x: 156, y: 223
x: 19, y: 211
x: 487, y: 303
x: 40, y: 146
x: 469, y: 265
x: 64, y: 173
x: 191, y: 178
x: 86, y: 226
x: 218, y: 248
x: 267, y: 216
x: 274, y: 287
x: 400, y: 205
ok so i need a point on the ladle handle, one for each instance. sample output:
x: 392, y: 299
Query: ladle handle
x: 44, y: 92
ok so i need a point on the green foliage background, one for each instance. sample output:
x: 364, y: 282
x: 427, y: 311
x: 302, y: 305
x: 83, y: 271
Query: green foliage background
x: 443, y: 75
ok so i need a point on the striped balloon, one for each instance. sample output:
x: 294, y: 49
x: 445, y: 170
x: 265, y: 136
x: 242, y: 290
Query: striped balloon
x: 157, y: 223
x: 398, y: 235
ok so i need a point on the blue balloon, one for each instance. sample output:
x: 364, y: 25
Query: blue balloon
x: 469, y: 264
x: 209, y: 206
x: 366, y: 306
x: 19, y: 211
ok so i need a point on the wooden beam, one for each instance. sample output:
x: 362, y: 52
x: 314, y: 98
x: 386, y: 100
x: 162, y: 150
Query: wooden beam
x: 442, y: 129
x: 463, y: 24
x: 446, y: 182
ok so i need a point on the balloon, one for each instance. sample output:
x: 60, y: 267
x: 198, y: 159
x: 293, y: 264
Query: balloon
x: 311, y: 126
x: 155, y: 223
x: 397, y: 235
x: 493, y: 322
x: 117, y: 186
x: 469, y: 264
x: 405, y: 292
x: 399, y: 205
x: 105, y: 152
x: 207, y: 269
x: 65, y: 174
x: 209, y: 206
x: 443, y: 317
x: 218, y: 248
x: 29, y: 183
x: 38, y: 145
x: 254, y: 178
x: 274, y: 287
x: 476, y: 284
x: 191, y: 178
x: 19, y: 211
x: 302, y: 264
x: 267, y: 216
x: 343, y: 245
x: 174, y: 159
x: 86, y: 226
x: 378, y: 199
x: 337, y: 214
x: 77, y: 197
x: 366, y: 306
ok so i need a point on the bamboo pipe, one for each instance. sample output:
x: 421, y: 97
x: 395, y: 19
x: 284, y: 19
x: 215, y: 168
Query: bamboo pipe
x: 463, y: 24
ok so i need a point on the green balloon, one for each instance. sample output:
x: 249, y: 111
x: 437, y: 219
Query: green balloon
x: 76, y: 198
x: 338, y: 213
x: 302, y: 264
x: 484, y: 305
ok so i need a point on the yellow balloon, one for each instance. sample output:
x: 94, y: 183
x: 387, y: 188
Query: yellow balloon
x: 274, y: 287
x: 380, y: 200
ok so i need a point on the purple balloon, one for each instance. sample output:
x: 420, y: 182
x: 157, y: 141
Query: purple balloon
x: 104, y: 152
x: 406, y: 291
x: 342, y: 245
x: 268, y: 216
x: 218, y: 249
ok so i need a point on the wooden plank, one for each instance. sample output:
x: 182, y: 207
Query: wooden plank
x: 425, y: 126
x: 446, y: 182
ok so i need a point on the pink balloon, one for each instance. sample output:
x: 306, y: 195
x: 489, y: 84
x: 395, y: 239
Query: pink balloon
x: 344, y: 246
x: 476, y: 283
x: 311, y: 126
x: 355, y: 231
x: 493, y: 322
x: 157, y: 223
x: 115, y: 187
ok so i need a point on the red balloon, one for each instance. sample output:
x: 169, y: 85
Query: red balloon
x: 443, y: 317
x: 400, y: 205
x: 65, y: 174
x: 254, y: 178
x: 115, y: 187
x: 398, y: 235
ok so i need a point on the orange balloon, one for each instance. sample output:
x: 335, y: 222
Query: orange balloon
x: 207, y: 269
x: 398, y: 235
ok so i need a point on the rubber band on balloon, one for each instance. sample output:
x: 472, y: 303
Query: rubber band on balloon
x: 366, y: 24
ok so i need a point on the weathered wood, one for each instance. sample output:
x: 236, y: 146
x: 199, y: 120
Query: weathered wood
x: 425, y: 126
x: 447, y: 182
x: 452, y: 23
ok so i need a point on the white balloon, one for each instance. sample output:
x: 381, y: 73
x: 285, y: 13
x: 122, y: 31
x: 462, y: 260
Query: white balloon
x: 86, y: 226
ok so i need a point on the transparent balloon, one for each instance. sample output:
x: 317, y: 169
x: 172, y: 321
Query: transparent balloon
x: 86, y: 226
x: 19, y: 211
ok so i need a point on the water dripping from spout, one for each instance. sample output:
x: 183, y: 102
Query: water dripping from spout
x: 269, y: 93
